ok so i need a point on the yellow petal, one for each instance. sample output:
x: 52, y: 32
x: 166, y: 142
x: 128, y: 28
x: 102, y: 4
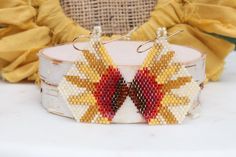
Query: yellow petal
x: 89, y: 72
x: 167, y: 115
x: 82, y: 99
x: 89, y: 114
x: 174, y: 100
x: 167, y: 73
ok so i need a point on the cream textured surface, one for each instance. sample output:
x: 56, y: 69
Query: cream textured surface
x: 27, y: 130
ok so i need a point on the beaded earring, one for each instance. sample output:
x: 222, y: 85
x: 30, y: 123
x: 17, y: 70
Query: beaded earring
x: 162, y: 89
x: 94, y: 87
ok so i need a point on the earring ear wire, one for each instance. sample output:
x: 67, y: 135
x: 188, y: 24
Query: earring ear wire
x: 176, y: 33
x: 161, y: 33
x: 124, y: 37
x: 96, y: 34
x: 97, y: 31
x: 76, y: 40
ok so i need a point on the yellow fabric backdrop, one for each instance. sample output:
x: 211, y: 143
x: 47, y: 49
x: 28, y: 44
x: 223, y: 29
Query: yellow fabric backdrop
x: 26, y: 26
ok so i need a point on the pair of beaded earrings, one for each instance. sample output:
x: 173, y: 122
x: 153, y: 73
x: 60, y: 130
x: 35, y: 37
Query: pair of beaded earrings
x: 162, y: 90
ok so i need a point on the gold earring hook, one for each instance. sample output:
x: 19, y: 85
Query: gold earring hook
x: 76, y: 39
x: 176, y: 33
x: 149, y: 41
x: 139, y: 47
x: 96, y: 34
x: 125, y: 37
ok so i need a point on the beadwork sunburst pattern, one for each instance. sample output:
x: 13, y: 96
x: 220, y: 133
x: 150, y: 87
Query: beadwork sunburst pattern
x: 94, y: 87
x: 162, y: 89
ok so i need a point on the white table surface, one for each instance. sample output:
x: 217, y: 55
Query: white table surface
x: 27, y: 130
